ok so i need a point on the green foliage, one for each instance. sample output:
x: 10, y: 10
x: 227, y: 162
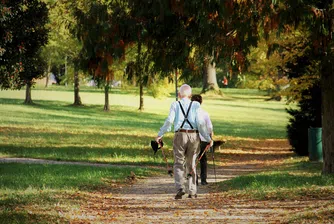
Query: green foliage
x: 103, y: 29
x: 23, y: 33
x: 63, y: 48
x: 161, y: 89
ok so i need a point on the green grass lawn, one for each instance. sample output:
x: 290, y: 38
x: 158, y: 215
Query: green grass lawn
x: 52, y: 129
x: 36, y: 193
x: 296, y: 179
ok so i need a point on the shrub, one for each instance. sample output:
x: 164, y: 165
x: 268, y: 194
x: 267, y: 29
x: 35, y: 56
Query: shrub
x: 307, y: 115
x: 161, y: 89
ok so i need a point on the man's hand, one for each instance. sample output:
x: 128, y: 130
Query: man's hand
x: 211, y: 143
x: 158, y: 139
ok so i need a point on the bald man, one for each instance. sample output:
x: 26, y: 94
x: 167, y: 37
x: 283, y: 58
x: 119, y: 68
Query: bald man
x: 186, y: 117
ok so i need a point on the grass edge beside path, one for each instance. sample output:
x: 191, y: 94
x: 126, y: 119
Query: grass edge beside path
x: 297, y: 179
x: 40, y: 193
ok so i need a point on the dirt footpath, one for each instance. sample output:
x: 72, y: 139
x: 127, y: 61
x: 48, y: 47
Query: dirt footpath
x: 151, y: 200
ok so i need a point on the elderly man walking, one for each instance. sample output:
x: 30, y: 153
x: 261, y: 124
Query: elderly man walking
x: 186, y: 117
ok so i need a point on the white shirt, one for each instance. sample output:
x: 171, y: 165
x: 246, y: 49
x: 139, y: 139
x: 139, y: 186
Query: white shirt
x: 208, y: 123
x: 176, y: 117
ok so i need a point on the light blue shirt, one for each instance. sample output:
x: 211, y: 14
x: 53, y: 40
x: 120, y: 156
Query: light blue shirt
x: 176, y: 117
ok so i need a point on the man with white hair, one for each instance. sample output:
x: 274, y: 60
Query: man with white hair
x: 188, y: 123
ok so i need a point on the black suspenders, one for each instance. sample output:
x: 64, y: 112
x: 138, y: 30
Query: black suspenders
x: 186, y: 115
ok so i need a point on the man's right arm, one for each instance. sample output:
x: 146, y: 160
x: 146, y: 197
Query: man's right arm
x: 169, y: 121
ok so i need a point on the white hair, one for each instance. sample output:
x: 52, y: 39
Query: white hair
x: 185, y: 91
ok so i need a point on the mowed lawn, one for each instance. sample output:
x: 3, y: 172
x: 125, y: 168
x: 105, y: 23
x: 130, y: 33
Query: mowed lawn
x: 53, y: 129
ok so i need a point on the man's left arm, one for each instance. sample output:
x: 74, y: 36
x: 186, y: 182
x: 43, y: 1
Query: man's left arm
x: 202, y: 127
x: 209, y: 124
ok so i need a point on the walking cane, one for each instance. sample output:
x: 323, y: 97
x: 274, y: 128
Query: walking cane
x: 214, y: 166
x: 170, y: 171
x: 198, y: 159
x: 216, y: 144
x: 155, y: 146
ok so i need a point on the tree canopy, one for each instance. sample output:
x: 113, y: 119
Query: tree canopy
x: 23, y: 34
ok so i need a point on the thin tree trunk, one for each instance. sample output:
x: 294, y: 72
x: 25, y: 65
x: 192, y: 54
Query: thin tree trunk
x: 140, y: 77
x: 233, y: 78
x: 28, y: 99
x: 209, y: 76
x: 327, y: 81
x: 134, y: 81
x: 66, y: 70
x: 176, y: 91
x: 141, y: 100
x: 77, y: 99
x: 106, y: 97
x: 48, y: 73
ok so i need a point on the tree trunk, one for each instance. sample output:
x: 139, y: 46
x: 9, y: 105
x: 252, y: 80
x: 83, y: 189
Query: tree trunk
x: 327, y: 83
x: 205, y: 76
x: 233, y: 79
x: 139, y: 72
x: 28, y: 99
x: 176, y: 91
x: 209, y: 76
x: 65, y: 72
x: 134, y: 81
x: 77, y: 99
x: 48, y: 74
x: 106, y: 98
x: 141, y: 98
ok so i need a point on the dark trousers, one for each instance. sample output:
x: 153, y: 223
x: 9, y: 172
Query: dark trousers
x: 203, y: 161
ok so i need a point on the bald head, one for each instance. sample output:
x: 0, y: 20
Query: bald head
x: 185, y: 91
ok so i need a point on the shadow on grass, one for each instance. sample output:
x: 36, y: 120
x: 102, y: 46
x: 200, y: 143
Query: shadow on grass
x: 249, y: 130
x: 60, y: 113
x: 89, y: 115
x: 258, y: 157
x: 25, y: 217
x: 116, y: 155
x: 63, y: 177
x: 248, y: 107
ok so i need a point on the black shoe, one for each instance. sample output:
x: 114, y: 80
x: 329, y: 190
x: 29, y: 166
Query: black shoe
x: 179, y: 194
x: 204, y: 183
x: 192, y: 196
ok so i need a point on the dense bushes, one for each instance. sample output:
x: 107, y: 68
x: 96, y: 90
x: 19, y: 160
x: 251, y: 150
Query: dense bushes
x: 307, y: 115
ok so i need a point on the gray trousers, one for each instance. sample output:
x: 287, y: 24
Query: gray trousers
x: 185, y: 148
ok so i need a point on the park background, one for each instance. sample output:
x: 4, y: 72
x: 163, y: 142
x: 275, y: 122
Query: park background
x: 86, y: 86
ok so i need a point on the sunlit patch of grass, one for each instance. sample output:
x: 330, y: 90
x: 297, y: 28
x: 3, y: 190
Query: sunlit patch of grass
x: 293, y: 181
x: 52, y: 129
x: 55, y: 130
